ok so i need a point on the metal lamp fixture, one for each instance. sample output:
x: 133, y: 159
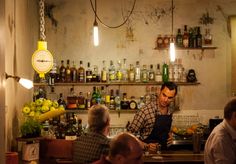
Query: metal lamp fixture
x: 172, y: 44
x: 28, y: 84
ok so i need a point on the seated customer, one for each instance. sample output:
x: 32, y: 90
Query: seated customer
x: 220, y: 147
x: 90, y: 146
x: 124, y: 149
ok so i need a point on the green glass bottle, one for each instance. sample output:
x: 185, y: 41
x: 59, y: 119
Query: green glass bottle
x: 165, y: 73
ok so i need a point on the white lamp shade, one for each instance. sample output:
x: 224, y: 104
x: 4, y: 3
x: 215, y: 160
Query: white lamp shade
x: 95, y: 36
x: 172, y: 52
x: 26, y: 83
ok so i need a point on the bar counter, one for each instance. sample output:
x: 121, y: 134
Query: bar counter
x: 180, y: 156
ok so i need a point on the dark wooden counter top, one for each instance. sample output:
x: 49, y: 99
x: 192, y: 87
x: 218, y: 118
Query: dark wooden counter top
x: 175, y: 157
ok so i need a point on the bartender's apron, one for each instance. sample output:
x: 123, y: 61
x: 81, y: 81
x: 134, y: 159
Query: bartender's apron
x: 160, y: 131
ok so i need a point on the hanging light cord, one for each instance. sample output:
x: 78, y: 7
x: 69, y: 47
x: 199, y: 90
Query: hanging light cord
x: 172, y: 18
x: 41, y: 21
x: 96, y: 16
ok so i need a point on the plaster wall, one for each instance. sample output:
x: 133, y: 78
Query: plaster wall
x: 72, y: 39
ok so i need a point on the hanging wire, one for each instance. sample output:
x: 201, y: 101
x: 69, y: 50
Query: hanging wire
x: 96, y: 16
x: 42, y: 35
x: 172, y: 16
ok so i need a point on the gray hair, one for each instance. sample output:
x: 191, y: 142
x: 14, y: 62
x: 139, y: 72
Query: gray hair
x: 98, y: 118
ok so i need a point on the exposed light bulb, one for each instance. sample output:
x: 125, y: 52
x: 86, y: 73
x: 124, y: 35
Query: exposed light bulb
x: 172, y: 51
x: 95, y: 34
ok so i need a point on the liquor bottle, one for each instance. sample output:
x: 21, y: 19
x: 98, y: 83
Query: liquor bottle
x: 124, y: 104
x: 95, y: 75
x: 112, y: 72
x: 98, y: 97
x: 133, y: 104
x: 207, y: 37
x: 191, y: 38
x: 176, y: 71
x: 73, y: 73
x: 119, y: 72
x: 159, y: 41
x: 147, y: 96
x: 104, y: 72
x: 71, y: 130
x: 117, y: 100
x: 198, y: 38
x: 165, y: 73
x: 137, y: 75
x: 185, y: 37
x: 131, y: 73
x: 107, y: 99
x: 62, y: 72
x: 103, y: 96
x: 61, y: 101
x: 81, y: 101
x: 88, y: 74
x: 179, y: 39
x: 171, y: 71
x: 144, y: 74
x: 52, y: 75
x: 72, y: 99
x: 151, y: 73
x: 158, y: 75
x: 68, y: 76
x: 81, y: 73
x: 94, y: 96
x: 52, y: 94
x: 124, y: 71
x: 88, y: 100
x: 112, y: 100
x: 141, y: 102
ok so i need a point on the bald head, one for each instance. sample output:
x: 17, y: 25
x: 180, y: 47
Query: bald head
x: 125, y: 148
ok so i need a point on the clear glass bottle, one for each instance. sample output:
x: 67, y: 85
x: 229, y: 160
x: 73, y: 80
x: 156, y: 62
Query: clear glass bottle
x: 158, y: 75
x: 151, y: 73
x: 119, y: 72
x: 104, y: 72
x: 131, y: 73
x: 144, y: 74
x: 117, y: 100
x: 137, y: 72
x: 207, y: 37
x: 112, y: 72
x: 124, y: 71
x: 81, y: 73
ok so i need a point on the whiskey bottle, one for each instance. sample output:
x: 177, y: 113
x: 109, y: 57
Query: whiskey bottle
x: 117, y: 100
x: 81, y: 73
x: 124, y: 104
x: 88, y: 100
x: 62, y: 72
x: 112, y: 100
x: 198, y: 38
x: 95, y: 75
x: 179, y: 39
x: 144, y: 74
x: 119, y: 72
x: 185, y: 37
x: 73, y: 73
x: 68, y: 76
x: 81, y: 101
x: 52, y: 75
x: 88, y: 74
x: 124, y: 71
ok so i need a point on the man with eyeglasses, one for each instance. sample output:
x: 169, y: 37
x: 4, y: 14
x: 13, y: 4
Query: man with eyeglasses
x: 152, y: 123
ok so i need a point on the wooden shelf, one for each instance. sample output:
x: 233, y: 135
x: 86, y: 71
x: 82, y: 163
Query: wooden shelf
x: 182, y: 48
x: 111, y: 111
x: 113, y: 84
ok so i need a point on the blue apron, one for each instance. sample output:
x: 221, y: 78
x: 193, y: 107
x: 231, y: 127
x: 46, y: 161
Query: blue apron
x: 160, y: 131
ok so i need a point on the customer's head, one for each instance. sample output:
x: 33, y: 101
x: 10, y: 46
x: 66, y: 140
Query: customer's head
x: 230, y: 112
x: 167, y: 93
x: 125, y: 149
x: 98, y: 118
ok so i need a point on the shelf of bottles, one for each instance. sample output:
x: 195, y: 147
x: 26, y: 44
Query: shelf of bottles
x: 190, y: 39
x: 113, y: 83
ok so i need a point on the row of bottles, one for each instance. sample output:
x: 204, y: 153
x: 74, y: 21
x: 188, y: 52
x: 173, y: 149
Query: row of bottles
x: 112, y: 98
x: 189, y: 38
x: 114, y: 73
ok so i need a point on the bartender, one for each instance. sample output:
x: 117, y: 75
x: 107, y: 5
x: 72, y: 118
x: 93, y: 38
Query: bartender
x: 152, y: 123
